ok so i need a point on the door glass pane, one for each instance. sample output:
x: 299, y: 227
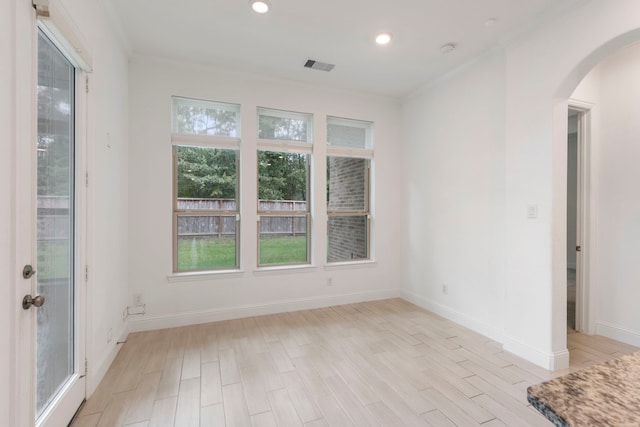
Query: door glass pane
x: 55, y: 223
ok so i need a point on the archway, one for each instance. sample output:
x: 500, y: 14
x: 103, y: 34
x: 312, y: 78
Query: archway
x: 590, y: 261
x: 543, y: 69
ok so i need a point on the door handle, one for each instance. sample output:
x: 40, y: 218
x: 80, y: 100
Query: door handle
x: 29, y: 301
x: 578, y: 249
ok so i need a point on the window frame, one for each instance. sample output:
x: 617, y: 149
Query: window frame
x: 212, y: 142
x: 366, y: 154
x: 290, y: 147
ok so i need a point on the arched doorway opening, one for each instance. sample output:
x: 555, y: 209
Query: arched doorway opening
x: 605, y: 96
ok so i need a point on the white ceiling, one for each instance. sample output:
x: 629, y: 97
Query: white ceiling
x: 229, y: 34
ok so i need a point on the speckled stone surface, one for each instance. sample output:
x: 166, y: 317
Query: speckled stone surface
x: 607, y: 394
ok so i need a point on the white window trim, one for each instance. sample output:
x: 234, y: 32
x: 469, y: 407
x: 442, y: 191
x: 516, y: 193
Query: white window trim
x: 195, y: 276
x: 284, y: 269
x: 284, y: 146
x: 348, y: 265
x: 204, y: 103
x: 212, y: 141
x: 360, y: 153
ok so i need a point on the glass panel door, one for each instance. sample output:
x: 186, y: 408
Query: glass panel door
x: 55, y: 344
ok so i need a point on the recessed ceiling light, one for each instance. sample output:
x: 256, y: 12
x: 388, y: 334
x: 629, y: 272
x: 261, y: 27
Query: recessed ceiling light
x: 384, y: 38
x: 448, y: 48
x: 260, y: 6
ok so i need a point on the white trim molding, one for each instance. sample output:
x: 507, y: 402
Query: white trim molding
x: 98, y: 369
x: 618, y: 333
x: 149, y: 323
x: 454, y: 315
x: 552, y: 361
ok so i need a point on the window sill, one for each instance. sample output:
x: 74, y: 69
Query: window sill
x: 203, y: 275
x: 350, y: 264
x: 284, y: 269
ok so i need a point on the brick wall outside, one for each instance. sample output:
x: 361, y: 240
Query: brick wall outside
x: 347, y: 234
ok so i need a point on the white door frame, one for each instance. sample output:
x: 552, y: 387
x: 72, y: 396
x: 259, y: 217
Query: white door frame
x: 24, y: 222
x: 23, y: 215
x: 585, y: 232
x: 62, y: 410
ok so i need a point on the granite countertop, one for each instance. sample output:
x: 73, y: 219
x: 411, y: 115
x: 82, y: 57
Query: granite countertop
x: 607, y: 394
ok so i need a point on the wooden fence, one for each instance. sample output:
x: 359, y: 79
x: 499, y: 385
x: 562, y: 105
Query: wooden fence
x: 193, y: 225
x: 53, y: 218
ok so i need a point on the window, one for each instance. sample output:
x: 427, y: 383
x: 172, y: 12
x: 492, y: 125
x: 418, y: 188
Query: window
x: 348, y: 189
x: 206, y: 214
x: 284, y: 157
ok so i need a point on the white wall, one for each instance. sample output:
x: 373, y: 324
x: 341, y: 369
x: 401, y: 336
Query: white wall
x: 455, y: 158
x: 108, y: 251
x: 516, y: 289
x: 618, y: 232
x: 153, y: 82
x: 108, y: 185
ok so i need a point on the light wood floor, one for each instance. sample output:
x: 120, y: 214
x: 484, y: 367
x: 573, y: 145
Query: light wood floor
x: 385, y: 363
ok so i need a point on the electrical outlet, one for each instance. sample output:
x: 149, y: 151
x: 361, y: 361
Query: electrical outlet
x: 329, y: 281
x: 109, y: 335
x: 137, y: 299
x: 124, y: 314
x: 445, y: 289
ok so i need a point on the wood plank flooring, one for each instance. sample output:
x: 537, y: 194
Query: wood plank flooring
x: 382, y: 363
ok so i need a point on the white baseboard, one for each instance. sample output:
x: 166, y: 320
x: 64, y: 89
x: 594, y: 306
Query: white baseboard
x: 101, y: 367
x: 551, y: 361
x: 454, y: 315
x: 618, y: 333
x: 149, y: 323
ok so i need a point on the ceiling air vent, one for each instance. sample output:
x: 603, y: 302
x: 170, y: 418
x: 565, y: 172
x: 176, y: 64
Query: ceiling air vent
x: 317, y: 65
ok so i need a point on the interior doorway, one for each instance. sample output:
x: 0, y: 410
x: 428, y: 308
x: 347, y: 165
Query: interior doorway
x: 578, y: 313
x: 573, y: 246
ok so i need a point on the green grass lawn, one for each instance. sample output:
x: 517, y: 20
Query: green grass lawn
x: 206, y: 253
x: 283, y: 250
x: 210, y: 253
